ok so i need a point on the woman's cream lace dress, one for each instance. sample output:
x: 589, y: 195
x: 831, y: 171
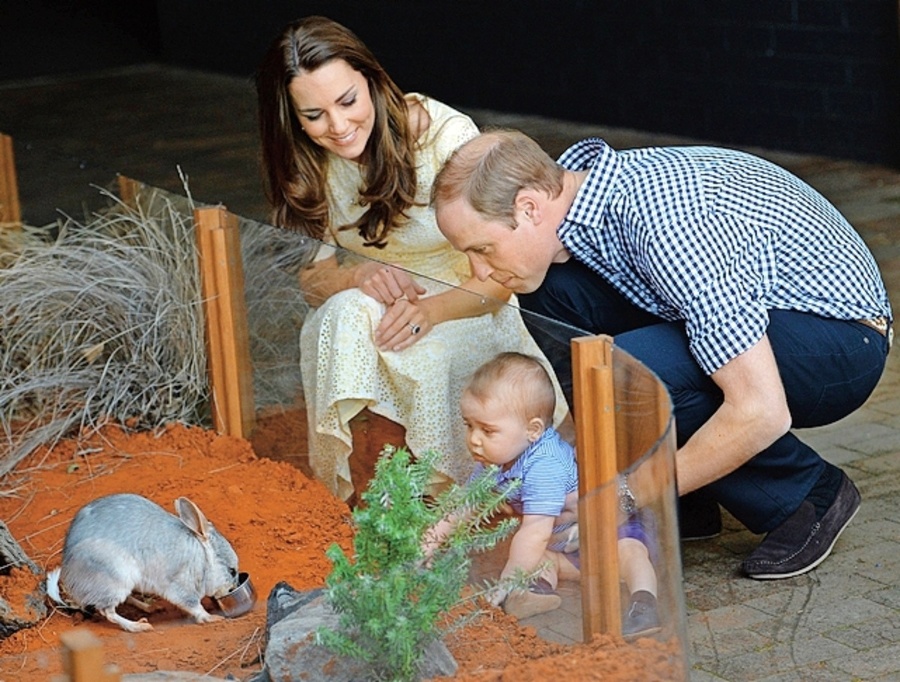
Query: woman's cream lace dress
x: 419, y: 387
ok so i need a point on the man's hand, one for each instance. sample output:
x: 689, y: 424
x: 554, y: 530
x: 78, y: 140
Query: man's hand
x: 753, y: 415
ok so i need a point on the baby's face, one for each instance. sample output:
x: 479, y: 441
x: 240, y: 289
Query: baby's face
x: 495, y: 433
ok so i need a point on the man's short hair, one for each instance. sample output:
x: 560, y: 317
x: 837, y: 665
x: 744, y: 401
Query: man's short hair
x: 489, y: 170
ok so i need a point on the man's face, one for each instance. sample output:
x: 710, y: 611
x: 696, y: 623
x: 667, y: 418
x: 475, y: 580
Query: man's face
x: 516, y: 258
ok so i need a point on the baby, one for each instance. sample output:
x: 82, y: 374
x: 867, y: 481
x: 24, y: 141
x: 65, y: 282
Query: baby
x: 508, y: 407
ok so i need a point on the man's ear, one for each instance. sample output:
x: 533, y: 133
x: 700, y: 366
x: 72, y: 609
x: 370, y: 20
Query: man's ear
x: 528, y: 206
x: 535, y: 428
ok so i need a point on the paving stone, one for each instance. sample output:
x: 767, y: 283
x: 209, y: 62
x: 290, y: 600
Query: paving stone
x: 708, y: 642
x: 698, y: 675
x: 815, y: 672
x: 809, y: 609
x: 869, y: 664
x: 867, y: 634
x: 889, y: 596
x: 777, y: 659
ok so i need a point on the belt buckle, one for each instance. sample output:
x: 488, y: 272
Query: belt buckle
x: 881, y: 324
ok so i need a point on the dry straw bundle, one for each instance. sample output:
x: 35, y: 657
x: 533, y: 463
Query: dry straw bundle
x: 276, y: 308
x: 104, y: 322
x: 101, y: 323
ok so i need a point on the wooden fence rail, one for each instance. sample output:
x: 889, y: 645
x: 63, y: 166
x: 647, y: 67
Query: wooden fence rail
x: 10, y: 210
x: 229, y: 367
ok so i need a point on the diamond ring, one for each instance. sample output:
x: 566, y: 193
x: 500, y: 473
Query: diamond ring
x: 414, y: 328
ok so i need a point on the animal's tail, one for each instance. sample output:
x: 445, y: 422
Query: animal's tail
x: 54, y: 592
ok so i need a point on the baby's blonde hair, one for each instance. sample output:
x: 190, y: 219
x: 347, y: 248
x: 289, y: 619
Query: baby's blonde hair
x: 520, y: 381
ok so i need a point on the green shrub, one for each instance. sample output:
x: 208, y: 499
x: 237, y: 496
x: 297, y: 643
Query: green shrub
x: 391, y: 599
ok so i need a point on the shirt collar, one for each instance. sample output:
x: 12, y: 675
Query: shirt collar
x: 602, y: 164
x: 514, y: 469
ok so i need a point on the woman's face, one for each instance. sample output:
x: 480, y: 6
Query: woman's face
x: 335, y: 108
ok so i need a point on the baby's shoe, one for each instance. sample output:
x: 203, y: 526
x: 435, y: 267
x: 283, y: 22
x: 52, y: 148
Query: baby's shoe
x: 540, y: 597
x: 642, y: 617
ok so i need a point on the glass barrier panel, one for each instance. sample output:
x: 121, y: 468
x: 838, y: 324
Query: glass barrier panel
x: 298, y: 349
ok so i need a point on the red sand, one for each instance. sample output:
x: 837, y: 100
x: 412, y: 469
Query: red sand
x: 280, y: 523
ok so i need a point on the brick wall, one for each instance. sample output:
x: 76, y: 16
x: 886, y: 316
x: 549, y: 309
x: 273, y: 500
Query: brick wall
x: 809, y: 75
x: 820, y: 76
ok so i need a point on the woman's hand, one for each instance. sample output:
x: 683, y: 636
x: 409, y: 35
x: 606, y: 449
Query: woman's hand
x: 404, y: 323
x: 420, y: 314
x: 322, y: 279
x: 387, y: 284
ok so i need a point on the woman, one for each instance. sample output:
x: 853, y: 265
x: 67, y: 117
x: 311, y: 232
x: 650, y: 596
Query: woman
x: 350, y: 160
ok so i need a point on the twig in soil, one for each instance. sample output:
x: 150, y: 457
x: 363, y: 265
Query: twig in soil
x: 40, y: 628
x: 233, y: 654
x: 24, y: 660
x: 22, y: 509
x: 28, y: 537
x: 47, y: 560
x: 224, y: 468
x: 150, y: 453
x: 11, y: 492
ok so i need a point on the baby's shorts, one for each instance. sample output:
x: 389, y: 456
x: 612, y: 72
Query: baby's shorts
x: 641, y: 526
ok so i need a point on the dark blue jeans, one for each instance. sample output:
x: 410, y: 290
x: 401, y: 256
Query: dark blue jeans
x: 828, y: 367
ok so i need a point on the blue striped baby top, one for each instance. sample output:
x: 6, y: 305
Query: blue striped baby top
x: 548, y: 473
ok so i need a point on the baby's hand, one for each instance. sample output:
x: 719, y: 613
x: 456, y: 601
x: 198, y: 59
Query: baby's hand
x: 496, y: 595
x: 506, y: 509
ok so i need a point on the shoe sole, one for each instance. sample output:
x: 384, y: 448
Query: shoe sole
x: 808, y: 568
x: 630, y: 637
x: 521, y: 608
x: 696, y: 538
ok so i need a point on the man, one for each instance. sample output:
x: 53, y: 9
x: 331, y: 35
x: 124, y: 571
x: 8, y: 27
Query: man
x: 741, y: 287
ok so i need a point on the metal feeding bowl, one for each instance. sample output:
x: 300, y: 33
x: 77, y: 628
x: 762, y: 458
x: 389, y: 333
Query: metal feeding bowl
x: 240, y: 600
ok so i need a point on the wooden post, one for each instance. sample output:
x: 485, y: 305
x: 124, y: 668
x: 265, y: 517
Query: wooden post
x: 228, y: 345
x: 595, y: 434
x: 10, y: 210
x: 83, y: 659
x: 128, y: 190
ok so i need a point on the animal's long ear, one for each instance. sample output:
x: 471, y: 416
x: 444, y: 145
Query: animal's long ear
x: 192, y: 517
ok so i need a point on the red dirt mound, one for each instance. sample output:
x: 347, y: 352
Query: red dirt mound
x: 280, y: 523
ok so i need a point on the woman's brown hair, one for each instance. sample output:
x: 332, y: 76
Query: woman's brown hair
x: 295, y: 166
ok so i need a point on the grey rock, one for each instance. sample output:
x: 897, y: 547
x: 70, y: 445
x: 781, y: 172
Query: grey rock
x: 171, y: 676
x: 292, y: 654
x: 284, y: 600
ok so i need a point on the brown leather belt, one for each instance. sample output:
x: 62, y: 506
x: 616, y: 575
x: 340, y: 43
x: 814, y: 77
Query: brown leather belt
x: 883, y: 326
x: 879, y: 324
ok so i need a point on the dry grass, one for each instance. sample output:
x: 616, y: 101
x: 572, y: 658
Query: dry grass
x: 101, y: 323
x: 272, y: 258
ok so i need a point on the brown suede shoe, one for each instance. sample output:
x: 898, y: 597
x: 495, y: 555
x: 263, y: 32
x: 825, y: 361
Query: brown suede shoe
x: 801, y: 542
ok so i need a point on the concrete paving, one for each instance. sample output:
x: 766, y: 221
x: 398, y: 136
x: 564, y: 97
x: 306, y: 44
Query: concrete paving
x: 839, y: 622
